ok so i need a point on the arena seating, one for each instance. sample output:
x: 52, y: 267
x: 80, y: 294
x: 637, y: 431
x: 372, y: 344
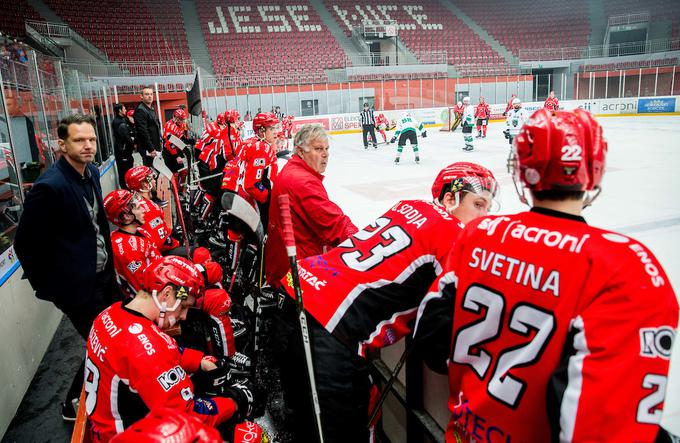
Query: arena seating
x: 531, y: 25
x: 12, y: 16
x: 128, y: 30
x: 285, y: 37
x: 428, y: 26
x: 659, y: 10
x: 629, y: 65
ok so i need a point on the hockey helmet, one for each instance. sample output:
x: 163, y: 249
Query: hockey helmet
x: 232, y: 115
x: 464, y: 176
x: 139, y: 178
x: 264, y: 120
x: 180, y: 114
x: 459, y: 104
x: 221, y: 118
x: 168, y: 425
x: 466, y: 100
x: 176, y: 271
x: 116, y: 204
x: 558, y: 150
x: 516, y: 103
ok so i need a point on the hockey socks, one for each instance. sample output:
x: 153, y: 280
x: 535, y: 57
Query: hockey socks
x: 484, y: 131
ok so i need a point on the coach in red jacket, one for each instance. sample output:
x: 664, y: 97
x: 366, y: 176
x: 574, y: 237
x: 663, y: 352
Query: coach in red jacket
x: 318, y: 223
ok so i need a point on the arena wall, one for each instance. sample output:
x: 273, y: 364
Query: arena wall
x: 27, y: 324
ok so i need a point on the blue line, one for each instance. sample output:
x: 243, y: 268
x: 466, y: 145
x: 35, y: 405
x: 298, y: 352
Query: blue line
x: 9, y: 273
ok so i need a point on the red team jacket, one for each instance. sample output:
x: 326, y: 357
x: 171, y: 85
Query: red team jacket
x: 132, y: 367
x: 560, y: 330
x: 319, y: 223
x: 552, y: 104
x: 482, y: 111
x: 155, y: 228
x: 172, y: 128
x: 132, y: 253
x: 367, y: 290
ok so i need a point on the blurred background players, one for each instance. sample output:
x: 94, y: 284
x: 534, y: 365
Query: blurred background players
x: 173, y: 153
x: 458, y: 116
x: 482, y: 114
x: 551, y: 333
x: 383, y: 124
x: 468, y: 123
x: 407, y: 127
x: 551, y: 103
x: 516, y: 117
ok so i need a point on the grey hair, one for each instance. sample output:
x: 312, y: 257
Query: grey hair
x: 307, y: 133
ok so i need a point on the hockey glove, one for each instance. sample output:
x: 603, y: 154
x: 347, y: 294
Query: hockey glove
x: 423, y: 134
x: 506, y: 133
x: 393, y: 139
x: 215, y: 382
x: 177, y: 233
x: 246, y: 398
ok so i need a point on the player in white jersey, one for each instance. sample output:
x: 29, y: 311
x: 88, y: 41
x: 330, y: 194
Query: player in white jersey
x: 468, y: 123
x: 517, y: 116
x: 407, y: 127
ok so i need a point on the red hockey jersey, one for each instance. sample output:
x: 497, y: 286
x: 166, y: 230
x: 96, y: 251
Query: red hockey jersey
x: 368, y: 289
x: 382, y: 121
x: 172, y: 128
x: 561, y: 331
x: 132, y: 367
x: 482, y: 111
x: 257, y: 169
x: 552, y: 104
x: 155, y: 228
x: 132, y: 253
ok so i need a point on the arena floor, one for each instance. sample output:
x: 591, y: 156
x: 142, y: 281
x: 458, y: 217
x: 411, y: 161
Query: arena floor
x: 641, y: 198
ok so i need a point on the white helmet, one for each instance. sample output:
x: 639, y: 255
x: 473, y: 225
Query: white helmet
x: 516, y: 102
x: 466, y: 100
x: 459, y: 103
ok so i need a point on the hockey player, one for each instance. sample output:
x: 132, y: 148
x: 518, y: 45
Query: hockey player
x: 383, y: 124
x: 468, y: 122
x: 132, y: 251
x: 458, y: 115
x: 561, y: 331
x: 407, y: 126
x: 515, y: 120
x: 287, y: 125
x: 142, y: 180
x: 509, y: 105
x: 257, y: 164
x: 482, y: 114
x: 363, y: 295
x: 132, y: 366
x: 551, y: 103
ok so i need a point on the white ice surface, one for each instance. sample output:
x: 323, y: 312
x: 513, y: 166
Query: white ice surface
x: 641, y: 188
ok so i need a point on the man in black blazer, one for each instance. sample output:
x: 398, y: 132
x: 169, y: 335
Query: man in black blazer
x: 148, y: 128
x: 63, y: 239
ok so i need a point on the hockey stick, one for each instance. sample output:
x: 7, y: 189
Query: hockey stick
x: 163, y: 169
x: 390, y: 382
x: 289, y: 241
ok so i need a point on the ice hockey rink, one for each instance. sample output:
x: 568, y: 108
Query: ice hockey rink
x: 641, y: 187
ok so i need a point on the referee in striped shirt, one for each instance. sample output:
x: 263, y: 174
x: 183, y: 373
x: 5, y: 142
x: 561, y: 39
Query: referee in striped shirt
x: 368, y: 126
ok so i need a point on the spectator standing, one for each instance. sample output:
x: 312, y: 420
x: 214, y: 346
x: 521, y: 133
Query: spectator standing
x: 63, y: 238
x: 148, y: 128
x: 248, y: 117
x: 319, y: 223
x: 368, y: 126
x: 551, y: 103
x: 123, y: 142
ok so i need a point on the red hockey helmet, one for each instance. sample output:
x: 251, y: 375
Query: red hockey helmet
x: 180, y: 114
x: 139, y: 178
x: 558, y: 150
x: 232, y: 115
x: 264, y: 120
x: 464, y: 176
x: 116, y: 204
x: 168, y: 425
x: 221, y: 118
x: 176, y: 271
